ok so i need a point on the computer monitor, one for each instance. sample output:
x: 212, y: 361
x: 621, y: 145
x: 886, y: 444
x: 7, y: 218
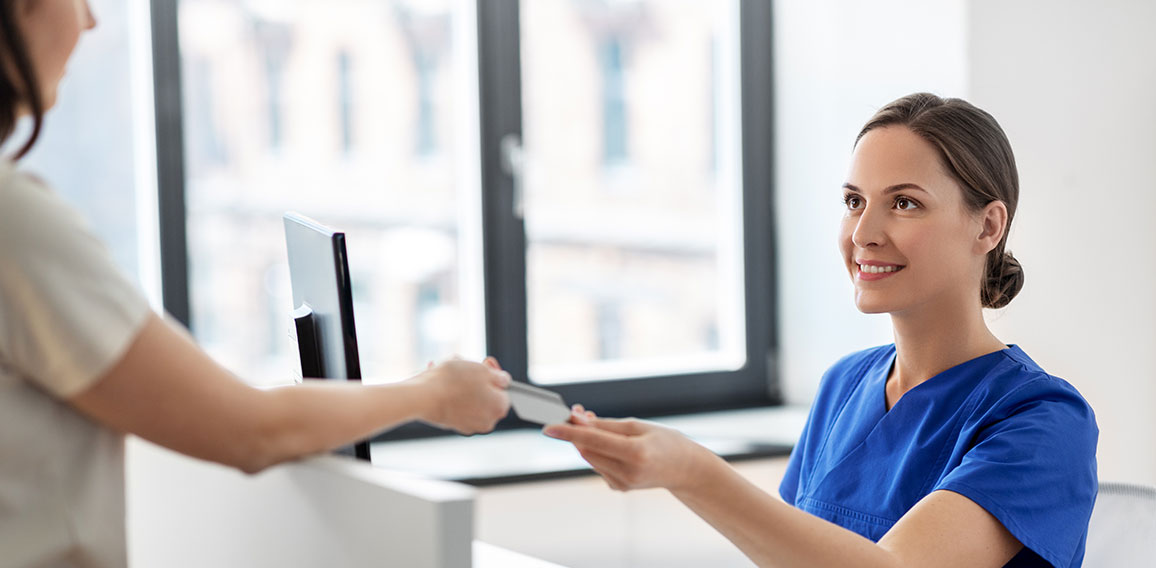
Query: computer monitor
x: 323, y: 305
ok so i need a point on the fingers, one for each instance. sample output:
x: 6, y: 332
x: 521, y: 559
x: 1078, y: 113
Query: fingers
x: 476, y: 397
x: 626, y: 427
x: 578, y: 416
x: 601, y: 441
x: 501, y: 379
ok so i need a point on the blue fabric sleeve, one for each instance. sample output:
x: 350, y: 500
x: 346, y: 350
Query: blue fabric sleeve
x: 1032, y: 465
x: 789, y: 487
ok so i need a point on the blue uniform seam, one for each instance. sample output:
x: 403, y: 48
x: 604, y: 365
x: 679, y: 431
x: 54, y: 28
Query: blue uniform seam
x: 935, y: 473
x: 857, y: 515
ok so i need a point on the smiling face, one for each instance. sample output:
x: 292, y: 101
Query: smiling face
x: 51, y: 30
x: 907, y: 238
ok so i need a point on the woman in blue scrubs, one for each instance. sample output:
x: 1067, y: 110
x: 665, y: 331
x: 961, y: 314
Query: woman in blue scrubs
x: 946, y: 448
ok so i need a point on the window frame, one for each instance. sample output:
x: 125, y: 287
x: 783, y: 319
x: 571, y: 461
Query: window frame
x: 503, y: 231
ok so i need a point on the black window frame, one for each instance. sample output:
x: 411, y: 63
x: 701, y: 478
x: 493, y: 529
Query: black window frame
x: 504, y: 239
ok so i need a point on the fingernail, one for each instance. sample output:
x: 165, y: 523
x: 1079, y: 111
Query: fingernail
x: 552, y: 431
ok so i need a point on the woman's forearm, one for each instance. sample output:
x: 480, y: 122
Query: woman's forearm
x: 769, y: 531
x: 310, y: 418
x: 166, y: 390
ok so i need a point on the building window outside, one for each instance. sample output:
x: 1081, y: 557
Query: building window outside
x: 661, y: 232
x: 345, y: 100
x: 426, y: 133
x: 614, y: 108
x: 355, y: 168
x: 275, y: 41
x: 631, y: 285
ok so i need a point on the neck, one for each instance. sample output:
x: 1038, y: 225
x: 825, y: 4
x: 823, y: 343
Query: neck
x: 930, y: 341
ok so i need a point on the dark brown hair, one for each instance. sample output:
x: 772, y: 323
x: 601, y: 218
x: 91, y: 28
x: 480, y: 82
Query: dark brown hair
x: 976, y: 152
x: 18, y: 84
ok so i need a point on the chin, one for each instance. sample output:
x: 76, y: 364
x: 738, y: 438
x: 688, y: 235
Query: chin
x: 872, y: 310
x: 49, y: 100
x: 874, y: 305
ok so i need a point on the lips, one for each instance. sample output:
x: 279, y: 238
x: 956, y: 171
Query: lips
x: 875, y: 269
x: 871, y: 269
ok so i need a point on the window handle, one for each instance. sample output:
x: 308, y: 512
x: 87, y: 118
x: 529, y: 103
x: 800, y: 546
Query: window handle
x: 513, y: 163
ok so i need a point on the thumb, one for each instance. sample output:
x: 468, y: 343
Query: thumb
x: 501, y: 379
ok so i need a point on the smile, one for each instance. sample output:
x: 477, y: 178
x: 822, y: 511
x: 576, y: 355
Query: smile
x: 870, y: 269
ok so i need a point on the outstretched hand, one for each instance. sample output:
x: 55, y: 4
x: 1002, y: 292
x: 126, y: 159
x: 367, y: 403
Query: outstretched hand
x: 466, y: 396
x: 631, y: 453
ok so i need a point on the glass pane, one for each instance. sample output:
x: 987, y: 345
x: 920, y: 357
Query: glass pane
x: 95, y: 149
x: 356, y: 113
x: 632, y: 192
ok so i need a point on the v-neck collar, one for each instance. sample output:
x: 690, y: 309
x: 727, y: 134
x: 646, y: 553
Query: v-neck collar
x: 892, y: 356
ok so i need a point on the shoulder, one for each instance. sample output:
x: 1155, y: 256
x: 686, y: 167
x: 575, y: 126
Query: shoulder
x: 19, y: 187
x: 28, y: 207
x: 1019, y: 391
x: 858, y: 363
x: 1028, y: 446
x: 1019, y: 381
x: 36, y: 223
x: 850, y: 370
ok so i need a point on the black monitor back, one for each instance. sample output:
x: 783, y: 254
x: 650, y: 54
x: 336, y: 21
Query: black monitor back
x: 323, y: 305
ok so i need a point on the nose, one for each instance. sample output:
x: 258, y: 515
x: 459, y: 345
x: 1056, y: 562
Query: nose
x: 869, y: 230
x: 89, y: 18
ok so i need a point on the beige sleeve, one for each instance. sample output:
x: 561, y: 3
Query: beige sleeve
x: 67, y: 314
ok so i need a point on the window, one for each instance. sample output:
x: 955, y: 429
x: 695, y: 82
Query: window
x: 345, y: 100
x: 578, y: 187
x: 96, y: 148
x: 331, y: 109
x: 614, y: 119
x: 642, y: 249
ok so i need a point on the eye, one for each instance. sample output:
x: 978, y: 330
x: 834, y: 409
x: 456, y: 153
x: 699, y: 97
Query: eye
x: 852, y: 201
x: 906, y: 203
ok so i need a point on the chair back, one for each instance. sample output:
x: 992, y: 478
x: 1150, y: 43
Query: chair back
x: 1122, y: 531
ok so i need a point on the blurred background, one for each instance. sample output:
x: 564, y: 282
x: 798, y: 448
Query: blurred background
x: 364, y: 114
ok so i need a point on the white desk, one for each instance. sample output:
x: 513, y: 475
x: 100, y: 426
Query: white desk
x: 322, y: 511
x: 490, y: 556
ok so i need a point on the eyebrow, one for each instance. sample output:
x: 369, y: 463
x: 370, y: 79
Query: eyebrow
x: 889, y: 189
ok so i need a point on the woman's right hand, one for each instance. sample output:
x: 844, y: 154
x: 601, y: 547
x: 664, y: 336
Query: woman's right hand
x: 465, y: 396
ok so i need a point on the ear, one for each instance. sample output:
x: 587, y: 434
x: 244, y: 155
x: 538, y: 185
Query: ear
x: 993, y: 224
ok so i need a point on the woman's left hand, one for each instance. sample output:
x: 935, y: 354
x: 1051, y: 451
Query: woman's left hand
x: 631, y: 453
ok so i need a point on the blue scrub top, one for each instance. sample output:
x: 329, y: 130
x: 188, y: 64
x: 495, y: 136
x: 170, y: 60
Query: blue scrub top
x: 997, y: 429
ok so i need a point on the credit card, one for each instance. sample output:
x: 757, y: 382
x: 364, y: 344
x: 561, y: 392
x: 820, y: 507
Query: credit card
x: 534, y: 404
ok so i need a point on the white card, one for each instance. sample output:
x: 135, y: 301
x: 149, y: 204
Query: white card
x: 534, y: 404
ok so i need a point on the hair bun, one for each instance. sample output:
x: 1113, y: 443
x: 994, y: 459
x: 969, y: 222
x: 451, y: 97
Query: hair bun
x: 1004, y: 281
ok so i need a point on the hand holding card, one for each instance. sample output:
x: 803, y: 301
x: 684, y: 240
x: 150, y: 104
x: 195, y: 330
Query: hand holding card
x: 539, y: 405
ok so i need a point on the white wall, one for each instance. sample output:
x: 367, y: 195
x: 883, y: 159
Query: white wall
x: 837, y: 62
x: 1074, y: 85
